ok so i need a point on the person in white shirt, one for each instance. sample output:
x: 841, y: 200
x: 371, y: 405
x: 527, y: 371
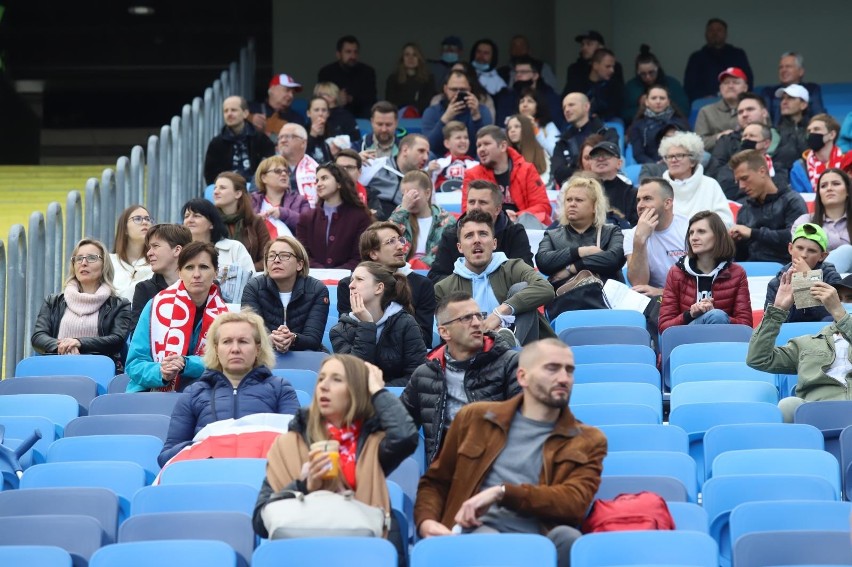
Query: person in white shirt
x: 657, y: 241
x: 128, y: 254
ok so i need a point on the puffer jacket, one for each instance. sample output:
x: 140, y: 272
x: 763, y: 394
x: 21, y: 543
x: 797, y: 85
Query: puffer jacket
x: 398, y: 352
x: 307, y: 312
x: 113, y: 328
x: 214, y: 398
x: 817, y: 313
x: 491, y: 377
x: 729, y: 290
x: 560, y: 245
x: 770, y: 224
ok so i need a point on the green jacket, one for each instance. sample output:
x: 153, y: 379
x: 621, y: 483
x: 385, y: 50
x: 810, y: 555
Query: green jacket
x: 539, y: 292
x: 808, y: 356
x: 441, y: 221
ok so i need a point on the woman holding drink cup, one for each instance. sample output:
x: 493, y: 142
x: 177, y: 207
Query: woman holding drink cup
x: 351, y: 437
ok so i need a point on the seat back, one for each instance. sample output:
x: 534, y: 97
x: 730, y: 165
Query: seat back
x: 617, y: 372
x: 98, y: 367
x: 304, y: 398
x: 164, y: 553
x: 249, y: 471
x: 18, y: 428
x: 58, y: 408
x: 615, y: 414
x: 140, y: 449
x: 506, y: 550
x: 407, y: 476
x: 792, y: 330
x: 81, y: 388
x: 618, y: 393
x: 654, y: 463
x: 786, y: 515
x: 204, y: 496
x: 141, y: 402
x: 689, y: 516
x: 753, y: 269
x: 723, y: 391
x: 793, y: 547
x: 300, y: 379
x: 690, y: 334
x: 131, y: 424
x: 118, y: 385
x: 80, y: 536
x: 713, y: 371
x: 375, y: 552
x: 651, y: 547
x: 605, y: 335
x: 830, y: 417
x: 589, y: 354
x: 670, y: 488
x: 696, y: 353
x: 645, y: 438
x: 846, y: 460
x: 593, y: 317
x: 98, y: 503
x: 305, y: 360
x: 34, y: 556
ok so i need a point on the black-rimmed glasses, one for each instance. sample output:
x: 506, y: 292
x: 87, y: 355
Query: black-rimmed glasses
x: 89, y: 258
x: 468, y: 319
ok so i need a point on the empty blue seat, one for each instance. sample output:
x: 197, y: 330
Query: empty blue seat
x: 654, y: 463
x: 304, y: 398
x: 130, y: 424
x: 605, y: 335
x: 18, y: 428
x: 118, y: 385
x: 753, y: 269
x: 58, y: 408
x: 810, y: 547
x: 690, y: 334
x: 595, y: 317
x: 645, y: 438
x: 591, y: 354
x: 846, y: 461
x: 670, y: 488
x: 249, y: 471
x: 615, y: 414
x: 80, y: 536
x: 791, y: 461
x: 141, y: 402
x: 34, y: 556
x: 617, y: 372
x: 407, y: 476
x: 785, y: 515
x: 792, y: 330
x: 300, y: 379
x: 506, y: 550
x: 203, y: 496
x: 98, y: 367
x: 161, y: 553
x: 830, y: 417
x: 696, y: 353
x: 689, y: 516
x: 305, y: 360
x: 98, y: 503
x: 645, y: 548
x: 713, y: 371
x: 723, y: 391
x: 140, y: 449
x: 354, y: 551
x: 618, y: 393
x: 632, y: 171
x: 81, y: 388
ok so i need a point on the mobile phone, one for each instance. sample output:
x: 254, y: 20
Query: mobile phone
x: 461, y: 95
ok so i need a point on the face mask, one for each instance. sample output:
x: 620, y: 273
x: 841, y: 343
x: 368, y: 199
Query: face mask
x: 816, y: 141
x: 748, y: 145
x: 481, y: 67
x: 449, y: 57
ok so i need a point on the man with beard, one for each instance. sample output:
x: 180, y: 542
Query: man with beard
x: 239, y: 147
x: 382, y: 141
x: 458, y: 104
x: 527, y: 73
x: 568, y: 150
x: 382, y: 242
x: 357, y: 81
x: 383, y: 176
x: 499, y: 470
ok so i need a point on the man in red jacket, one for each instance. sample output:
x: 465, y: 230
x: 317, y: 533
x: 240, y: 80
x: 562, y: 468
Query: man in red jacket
x: 522, y: 187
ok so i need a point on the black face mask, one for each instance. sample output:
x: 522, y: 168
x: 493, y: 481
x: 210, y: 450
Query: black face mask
x: 816, y: 141
x: 748, y: 145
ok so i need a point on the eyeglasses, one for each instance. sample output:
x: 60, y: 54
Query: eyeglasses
x: 278, y: 171
x: 280, y: 256
x: 675, y: 157
x: 468, y: 319
x: 139, y: 219
x: 288, y: 137
x: 394, y: 241
x: 89, y: 258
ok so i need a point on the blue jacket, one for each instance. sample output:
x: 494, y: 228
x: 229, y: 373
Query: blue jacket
x: 213, y: 398
x: 432, y: 125
x: 143, y: 371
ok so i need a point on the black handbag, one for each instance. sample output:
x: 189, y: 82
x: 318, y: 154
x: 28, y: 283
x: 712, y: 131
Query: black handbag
x: 582, y: 291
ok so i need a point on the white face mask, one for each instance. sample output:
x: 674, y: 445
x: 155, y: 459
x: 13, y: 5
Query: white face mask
x: 449, y: 57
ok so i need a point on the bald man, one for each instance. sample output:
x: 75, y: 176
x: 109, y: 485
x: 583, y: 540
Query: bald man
x: 580, y: 125
x: 239, y: 147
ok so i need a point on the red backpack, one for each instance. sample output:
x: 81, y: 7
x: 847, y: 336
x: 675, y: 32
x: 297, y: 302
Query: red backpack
x: 643, y: 511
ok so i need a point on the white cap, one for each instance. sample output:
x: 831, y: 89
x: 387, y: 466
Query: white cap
x: 795, y: 91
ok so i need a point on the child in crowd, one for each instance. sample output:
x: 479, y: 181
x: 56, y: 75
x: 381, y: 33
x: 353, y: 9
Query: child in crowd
x: 448, y: 171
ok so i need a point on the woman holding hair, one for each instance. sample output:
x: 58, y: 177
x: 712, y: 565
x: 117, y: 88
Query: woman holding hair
x: 274, y: 201
x: 411, y: 84
x: 171, y: 335
x: 520, y: 130
x: 318, y: 111
x: 375, y: 434
x: 655, y: 115
x: 340, y: 121
x: 832, y: 209
x: 649, y: 72
x: 330, y: 232
x: 235, y: 265
x: 694, y: 192
x: 423, y: 221
x: 381, y: 329
x: 582, y: 240
x: 230, y: 195
x: 237, y: 382
x: 87, y: 317
x: 533, y: 105
x: 294, y: 306
x: 128, y: 255
x: 705, y: 286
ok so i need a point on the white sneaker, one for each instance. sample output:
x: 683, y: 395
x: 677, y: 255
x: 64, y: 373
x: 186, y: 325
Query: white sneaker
x: 508, y: 336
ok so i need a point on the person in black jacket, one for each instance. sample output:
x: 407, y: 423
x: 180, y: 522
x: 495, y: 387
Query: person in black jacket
x: 375, y: 434
x: 512, y: 238
x: 567, y: 152
x: 380, y: 328
x: 294, y: 306
x: 473, y: 366
x: 237, y: 382
x: 88, y: 317
x: 163, y: 244
x: 357, y: 80
x: 382, y: 242
x: 239, y: 146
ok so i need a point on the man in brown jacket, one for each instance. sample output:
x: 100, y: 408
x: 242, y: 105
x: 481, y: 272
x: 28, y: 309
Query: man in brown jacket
x: 525, y: 465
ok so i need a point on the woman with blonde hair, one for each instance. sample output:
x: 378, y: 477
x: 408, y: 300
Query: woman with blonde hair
x: 423, y: 221
x: 294, y: 306
x: 583, y: 240
x: 128, y: 254
x: 230, y: 195
x: 237, y: 382
x: 411, y: 83
x: 274, y: 201
x: 87, y: 317
x: 340, y: 121
x: 521, y: 133
x: 374, y: 432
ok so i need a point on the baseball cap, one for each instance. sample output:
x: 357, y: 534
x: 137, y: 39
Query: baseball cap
x: 607, y: 147
x: 452, y: 40
x: 285, y: 80
x: 795, y: 91
x: 813, y: 232
x: 591, y: 34
x: 733, y: 72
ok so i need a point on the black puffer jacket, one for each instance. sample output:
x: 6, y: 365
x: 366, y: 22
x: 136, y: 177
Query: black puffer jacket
x: 491, y: 377
x: 113, y: 328
x: 398, y: 352
x: 220, y: 151
x: 770, y: 224
x: 307, y: 312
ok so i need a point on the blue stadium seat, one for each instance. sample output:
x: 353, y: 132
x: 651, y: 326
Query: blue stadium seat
x: 830, y: 417
x: 654, y: 463
x: 18, y: 428
x: 326, y: 337
x: 198, y: 497
x: 395, y: 390
x: 118, y: 384
x: 670, y: 488
x: 81, y: 388
x: 352, y: 551
x: 697, y: 353
x: 768, y: 461
x: 805, y: 548
x: 407, y: 476
x: 58, y: 408
x: 645, y: 438
x: 141, y: 402
x: 98, y: 367
x: 592, y: 354
x: 723, y: 391
x: 786, y: 515
x: 300, y: 379
x: 792, y: 330
x: 689, y: 516
x: 617, y: 372
x: 401, y: 502
x: 35, y: 556
x: 130, y: 424
x: 714, y: 371
x: 80, y: 536
x: 618, y: 393
x: 846, y: 461
x: 753, y: 269
x: 632, y: 171
x: 304, y: 398
x: 615, y: 414
x: 618, y: 126
x: 140, y: 449
x: 250, y: 471
x: 606, y: 335
x: 687, y: 334
x: 166, y: 554
x: 305, y: 360
x: 650, y: 547
x: 411, y: 125
x: 594, y: 317
x: 506, y: 550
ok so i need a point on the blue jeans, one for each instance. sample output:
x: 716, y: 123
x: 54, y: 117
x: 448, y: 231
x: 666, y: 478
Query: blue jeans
x: 712, y: 317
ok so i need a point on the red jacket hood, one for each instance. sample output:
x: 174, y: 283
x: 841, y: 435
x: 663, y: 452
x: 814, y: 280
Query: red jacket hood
x: 440, y: 352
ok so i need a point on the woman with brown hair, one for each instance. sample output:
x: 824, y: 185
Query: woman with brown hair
x: 230, y: 195
x: 411, y: 84
x: 274, y: 201
x: 521, y: 133
x: 128, y: 254
x: 373, y: 430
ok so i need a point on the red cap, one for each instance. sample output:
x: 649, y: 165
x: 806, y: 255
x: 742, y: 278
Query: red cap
x: 733, y: 72
x: 285, y: 81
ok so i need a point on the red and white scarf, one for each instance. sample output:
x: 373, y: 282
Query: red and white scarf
x: 815, y: 167
x: 306, y: 179
x: 172, y: 317
x: 347, y: 436
x: 275, y: 226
